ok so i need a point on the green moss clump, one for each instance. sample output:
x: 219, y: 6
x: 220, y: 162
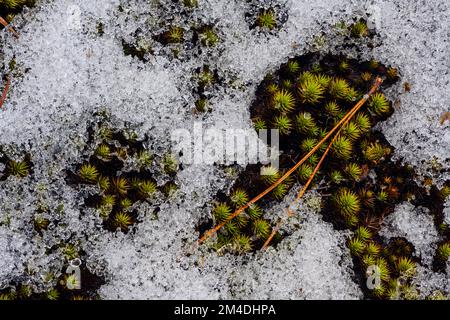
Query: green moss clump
x: 359, y: 29
x: 175, y: 34
x: 208, y: 36
x: 9, y: 8
x: 266, y: 19
x: 118, y: 190
x: 360, y: 184
x: 15, y: 167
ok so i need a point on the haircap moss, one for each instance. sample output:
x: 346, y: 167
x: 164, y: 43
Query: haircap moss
x: 119, y: 190
x: 355, y: 191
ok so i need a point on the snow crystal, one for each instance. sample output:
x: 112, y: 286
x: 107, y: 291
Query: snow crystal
x: 416, y: 40
x: 414, y: 224
x: 312, y: 263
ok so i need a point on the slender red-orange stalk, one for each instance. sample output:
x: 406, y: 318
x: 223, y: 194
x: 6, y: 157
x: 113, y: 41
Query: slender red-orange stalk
x: 345, y: 119
x: 5, y: 91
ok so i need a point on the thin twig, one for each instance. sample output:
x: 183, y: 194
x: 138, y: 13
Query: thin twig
x: 7, y: 26
x: 316, y: 169
x: 5, y: 91
x: 290, y: 171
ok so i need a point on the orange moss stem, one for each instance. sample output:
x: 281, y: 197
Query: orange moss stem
x: 305, y: 187
x: 345, y: 119
x: 5, y: 91
x: 7, y: 26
